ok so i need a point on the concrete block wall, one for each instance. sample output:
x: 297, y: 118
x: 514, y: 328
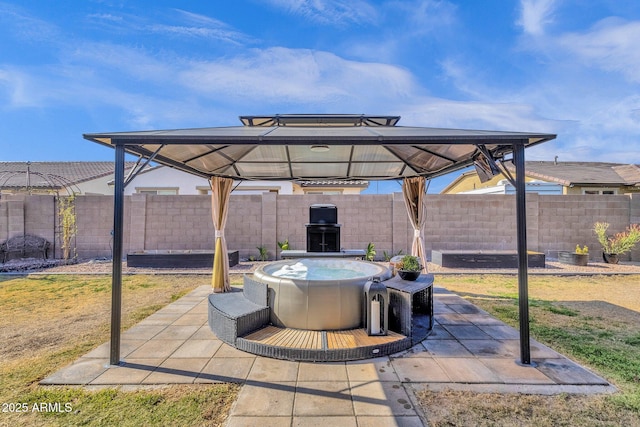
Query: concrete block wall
x: 244, y: 224
x: 4, y: 221
x: 471, y: 222
x: 94, y: 218
x: 554, y: 223
x: 567, y: 221
x: 172, y: 222
x: 634, y: 215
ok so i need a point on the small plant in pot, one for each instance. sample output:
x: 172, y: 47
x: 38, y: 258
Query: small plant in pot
x: 409, y: 267
x: 619, y: 243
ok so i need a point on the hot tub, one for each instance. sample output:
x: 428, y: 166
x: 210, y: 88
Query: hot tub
x: 318, y: 294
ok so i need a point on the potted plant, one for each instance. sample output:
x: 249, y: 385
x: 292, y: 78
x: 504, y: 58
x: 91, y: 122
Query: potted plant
x: 409, y: 267
x: 619, y: 243
x: 579, y: 257
x: 284, y: 246
x: 370, y: 252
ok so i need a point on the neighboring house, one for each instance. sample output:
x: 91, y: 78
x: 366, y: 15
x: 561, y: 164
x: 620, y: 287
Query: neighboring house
x: 64, y: 178
x: 557, y: 178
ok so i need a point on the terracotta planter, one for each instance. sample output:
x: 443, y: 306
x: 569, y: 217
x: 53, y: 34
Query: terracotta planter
x: 610, y: 258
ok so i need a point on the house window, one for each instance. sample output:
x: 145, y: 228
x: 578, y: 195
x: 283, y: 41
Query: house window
x: 158, y: 191
x: 326, y: 192
x: 601, y: 191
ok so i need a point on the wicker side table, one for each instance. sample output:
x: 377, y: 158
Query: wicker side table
x: 411, y: 306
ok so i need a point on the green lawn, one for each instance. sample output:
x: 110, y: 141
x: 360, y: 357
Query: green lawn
x: 592, y: 320
x: 48, y: 322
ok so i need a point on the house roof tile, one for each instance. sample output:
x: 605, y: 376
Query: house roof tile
x: 53, y: 175
x: 584, y: 173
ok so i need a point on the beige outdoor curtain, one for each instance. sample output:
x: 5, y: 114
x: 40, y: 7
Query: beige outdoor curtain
x: 414, y: 192
x: 220, y: 193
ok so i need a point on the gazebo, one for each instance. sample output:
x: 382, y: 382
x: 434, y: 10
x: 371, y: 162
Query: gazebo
x: 337, y: 147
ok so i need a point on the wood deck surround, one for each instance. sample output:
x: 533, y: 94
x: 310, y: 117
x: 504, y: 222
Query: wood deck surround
x: 319, y: 340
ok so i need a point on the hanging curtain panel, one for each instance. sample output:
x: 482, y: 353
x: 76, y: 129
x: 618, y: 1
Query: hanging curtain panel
x: 414, y: 192
x: 220, y: 193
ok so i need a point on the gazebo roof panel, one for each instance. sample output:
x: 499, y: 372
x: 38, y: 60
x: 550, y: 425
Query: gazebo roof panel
x: 283, y: 150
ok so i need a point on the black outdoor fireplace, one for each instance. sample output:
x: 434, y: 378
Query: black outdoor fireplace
x: 323, y: 230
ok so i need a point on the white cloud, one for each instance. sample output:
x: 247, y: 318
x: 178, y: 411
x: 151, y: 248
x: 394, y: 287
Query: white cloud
x: 477, y: 115
x: 611, y: 45
x: 25, y: 26
x: 299, y: 76
x: 330, y: 12
x: 535, y: 15
x: 425, y: 17
x: 202, y: 26
x: 14, y: 83
x: 180, y: 23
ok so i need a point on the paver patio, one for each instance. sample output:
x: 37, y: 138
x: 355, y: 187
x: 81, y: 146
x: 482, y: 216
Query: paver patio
x: 467, y: 350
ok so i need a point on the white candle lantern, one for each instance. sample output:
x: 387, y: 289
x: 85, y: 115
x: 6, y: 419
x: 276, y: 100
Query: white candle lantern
x: 376, y: 307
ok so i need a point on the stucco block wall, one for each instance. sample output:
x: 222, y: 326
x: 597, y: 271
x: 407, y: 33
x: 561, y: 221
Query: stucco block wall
x: 94, y: 218
x: 567, y: 221
x: 471, y: 222
x: 478, y: 222
x: 172, y: 222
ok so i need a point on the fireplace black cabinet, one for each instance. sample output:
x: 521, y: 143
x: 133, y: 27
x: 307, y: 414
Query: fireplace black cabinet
x: 323, y: 238
x: 323, y: 232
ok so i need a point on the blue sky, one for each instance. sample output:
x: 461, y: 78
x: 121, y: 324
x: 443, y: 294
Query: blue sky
x: 570, y: 67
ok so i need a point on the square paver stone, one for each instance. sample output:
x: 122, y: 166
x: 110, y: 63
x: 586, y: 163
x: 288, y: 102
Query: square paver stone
x: 242, y: 421
x: 322, y: 372
x: 480, y: 319
x: 510, y: 372
x: 501, y: 332
x: 492, y: 348
x: 177, y: 371
x: 381, y: 398
x: 156, y: 349
x: 467, y: 370
x: 536, y: 349
x: 226, y: 369
x: 465, y: 308
x: 322, y: 398
x: 265, y: 399
x: 226, y: 350
x: 466, y: 332
x: 417, y: 350
x: 126, y: 347
x: 266, y: 369
x: 378, y: 369
x: 564, y: 371
x: 419, y: 370
x: 143, y: 332
x: 204, y: 333
x: 451, y: 319
x: 445, y: 348
x: 439, y: 333
x: 440, y: 308
x: 132, y: 371
x: 161, y: 319
x: 341, y: 421
x: 197, y: 348
x: 191, y: 319
x: 83, y: 371
x: 174, y: 332
x: 397, y: 421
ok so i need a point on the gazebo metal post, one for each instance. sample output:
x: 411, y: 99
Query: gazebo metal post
x: 116, y: 276
x: 523, y: 287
